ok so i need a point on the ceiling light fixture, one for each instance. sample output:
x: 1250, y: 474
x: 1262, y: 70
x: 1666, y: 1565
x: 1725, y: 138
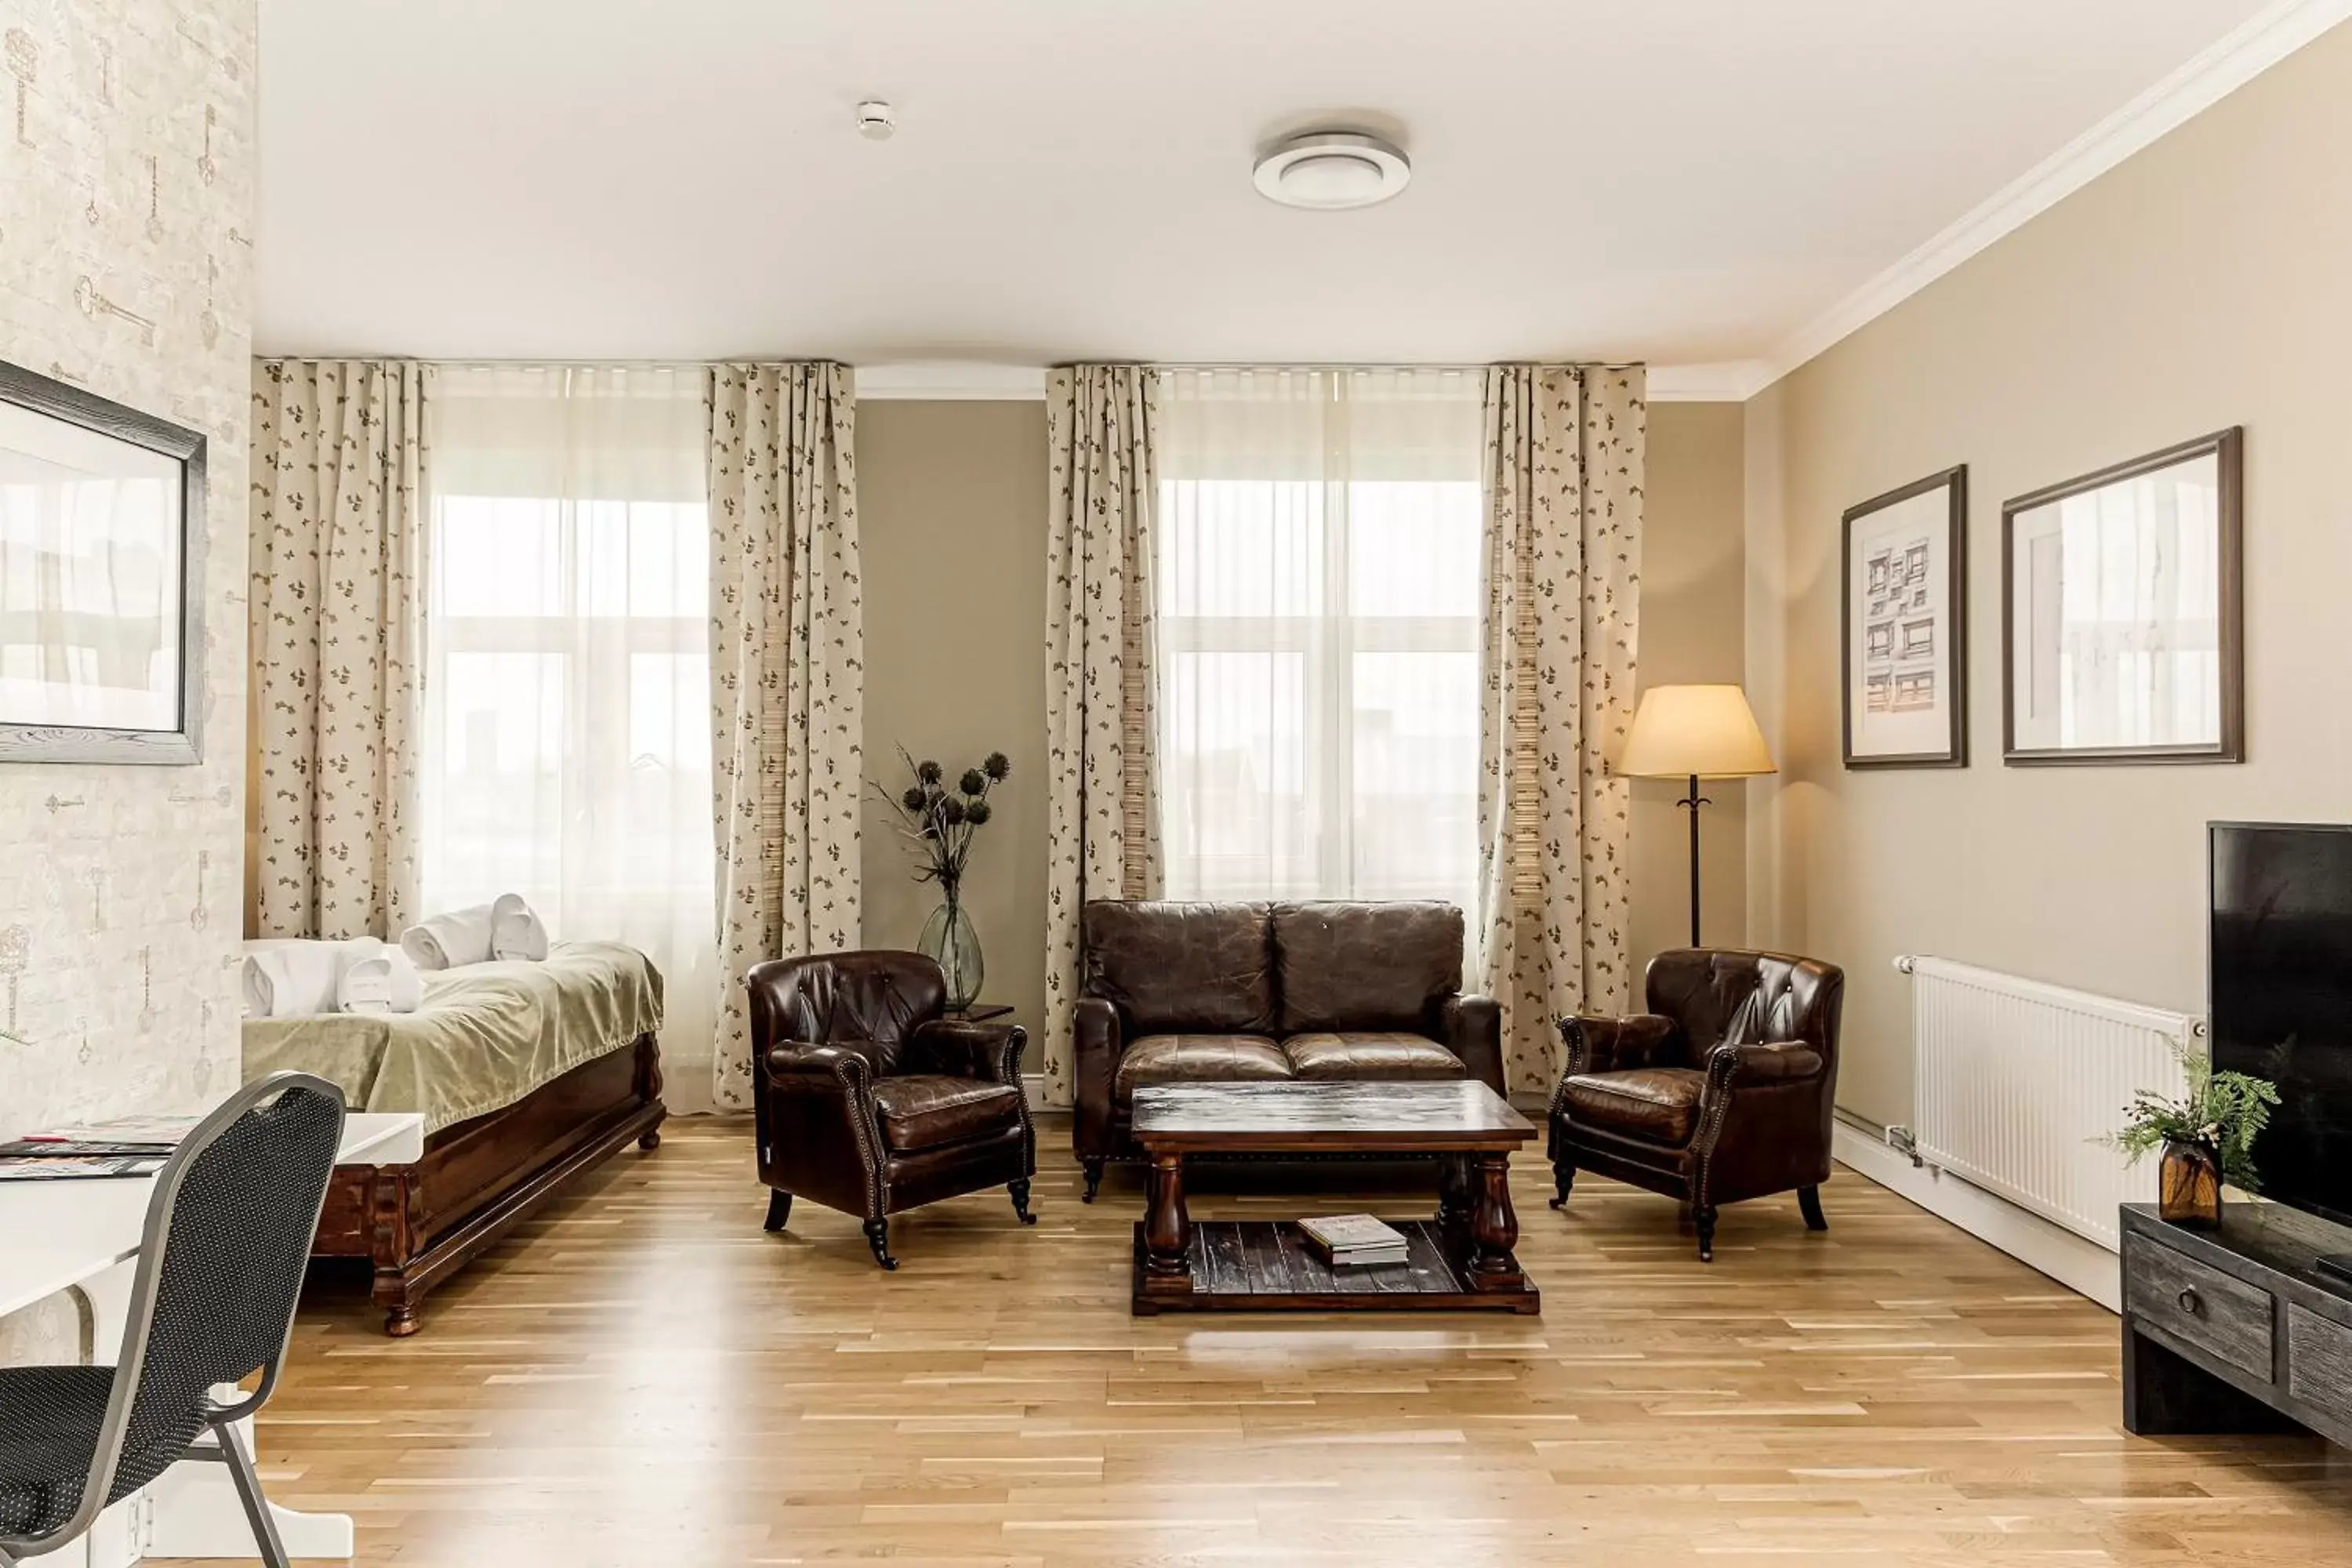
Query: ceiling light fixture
x: 1329, y: 170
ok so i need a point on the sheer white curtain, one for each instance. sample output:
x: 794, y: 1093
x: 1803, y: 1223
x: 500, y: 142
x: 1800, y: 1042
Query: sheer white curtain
x: 567, y: 751
x: 1318, y: 594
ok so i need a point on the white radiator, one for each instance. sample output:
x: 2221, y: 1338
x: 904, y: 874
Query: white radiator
x: 2018, y: 1081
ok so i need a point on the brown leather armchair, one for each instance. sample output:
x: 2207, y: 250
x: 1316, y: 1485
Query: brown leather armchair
x: 1722, y: 1091
x: 870, y: 1101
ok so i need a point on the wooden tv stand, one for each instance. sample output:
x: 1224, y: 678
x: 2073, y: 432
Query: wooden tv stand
x: 2235, y: 1330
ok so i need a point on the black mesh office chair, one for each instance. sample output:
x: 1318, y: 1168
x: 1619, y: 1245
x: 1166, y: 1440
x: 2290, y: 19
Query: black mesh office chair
x: 228, y: 1233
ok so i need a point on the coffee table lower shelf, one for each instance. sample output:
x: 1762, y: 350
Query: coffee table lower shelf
x: 1267, y: 1266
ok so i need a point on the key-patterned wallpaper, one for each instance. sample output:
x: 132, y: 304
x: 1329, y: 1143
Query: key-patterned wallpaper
x: 126, y: 267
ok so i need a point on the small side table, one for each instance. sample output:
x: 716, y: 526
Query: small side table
x: 982, y: 1012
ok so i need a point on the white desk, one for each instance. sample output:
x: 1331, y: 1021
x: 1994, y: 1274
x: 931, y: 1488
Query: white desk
x: 82, y: 1237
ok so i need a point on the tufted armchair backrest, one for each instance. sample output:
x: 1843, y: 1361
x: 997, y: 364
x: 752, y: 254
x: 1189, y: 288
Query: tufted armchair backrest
x: 1750, y: 998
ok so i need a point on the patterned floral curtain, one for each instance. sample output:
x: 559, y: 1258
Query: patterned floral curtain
x: 337, y: 623
x: 787, y: 678
x: 1564, y: 460
x: 1102, y: 821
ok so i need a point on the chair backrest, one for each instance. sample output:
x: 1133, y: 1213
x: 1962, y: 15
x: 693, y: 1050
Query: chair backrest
x: 1178, y: 968
x: 1753, y: 999
x: 1365, y: 966
x: 227, y: 1237
x: 869, y: 1000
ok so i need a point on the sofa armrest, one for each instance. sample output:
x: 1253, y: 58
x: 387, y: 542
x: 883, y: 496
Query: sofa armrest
x: 1620, y: 1045
x: 804, y: 1065
x: 1095, y: 1042
x: 961, y: 1049
x: 1472, y: 1029
x: 1731, y: 1068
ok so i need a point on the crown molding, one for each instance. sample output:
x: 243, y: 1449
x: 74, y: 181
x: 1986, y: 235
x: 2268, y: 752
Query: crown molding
x: 954, y: 381
x: 2234, y: 59
x: 1729, y: 381
x: 951, y: 381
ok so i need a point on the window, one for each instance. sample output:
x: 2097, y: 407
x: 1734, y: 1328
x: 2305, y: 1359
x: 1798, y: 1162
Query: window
x: 1318, y: 598
x: 567, y: 750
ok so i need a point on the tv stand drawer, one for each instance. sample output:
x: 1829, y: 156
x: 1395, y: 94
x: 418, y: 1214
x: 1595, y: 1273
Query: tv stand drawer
x: 2318, y: 1360
x: 2221, y: 1315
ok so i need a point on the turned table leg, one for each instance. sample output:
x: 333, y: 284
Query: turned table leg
x: 1494, y: 1228
x: 1167, y: 1228
x: 1457, y: 1188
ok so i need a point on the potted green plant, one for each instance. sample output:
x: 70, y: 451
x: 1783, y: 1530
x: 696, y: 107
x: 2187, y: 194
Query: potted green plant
x: 2207, y: 1137
x: 938, y: 821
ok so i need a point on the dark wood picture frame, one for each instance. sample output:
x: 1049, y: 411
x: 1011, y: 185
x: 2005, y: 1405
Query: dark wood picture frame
x: 2226, y: 447
x: 183, y: 744
x: 1954, y: 754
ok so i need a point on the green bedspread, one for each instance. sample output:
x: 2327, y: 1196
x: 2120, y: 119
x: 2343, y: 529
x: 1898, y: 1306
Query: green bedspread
x: 487, y: 1035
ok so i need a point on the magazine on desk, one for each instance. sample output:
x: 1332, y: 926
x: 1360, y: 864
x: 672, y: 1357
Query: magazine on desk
x: 66, y: 1168
x: 119, y: 1146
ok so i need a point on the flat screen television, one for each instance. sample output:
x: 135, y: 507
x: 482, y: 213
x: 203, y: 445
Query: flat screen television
x: 2281, y: 969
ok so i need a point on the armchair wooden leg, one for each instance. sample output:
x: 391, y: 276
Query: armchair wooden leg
x: 1563, y: 1177
x: 878, y: 1236
x: 1019, y: 1191
x: 1094, y: 1180
x: 780, y: 1208
x: 1809, y: 1199
x: 1702, y: 1216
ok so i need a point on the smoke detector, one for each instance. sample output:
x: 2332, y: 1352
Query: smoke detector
x: 1331, y: 171
x: 876, y: 120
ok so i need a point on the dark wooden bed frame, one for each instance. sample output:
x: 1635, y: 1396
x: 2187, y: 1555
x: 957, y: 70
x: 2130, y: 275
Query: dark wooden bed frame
x: 420, y: 1223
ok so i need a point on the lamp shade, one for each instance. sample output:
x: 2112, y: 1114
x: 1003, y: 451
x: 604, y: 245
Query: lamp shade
x: 1679, y: 731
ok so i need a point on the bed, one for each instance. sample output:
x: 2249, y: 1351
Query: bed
x: 528, y: 1073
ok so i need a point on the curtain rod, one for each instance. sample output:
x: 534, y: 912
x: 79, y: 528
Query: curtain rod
x: 1346, y: 365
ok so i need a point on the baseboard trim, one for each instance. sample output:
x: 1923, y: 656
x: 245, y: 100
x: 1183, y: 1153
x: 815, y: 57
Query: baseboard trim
x: 2076, y: 1262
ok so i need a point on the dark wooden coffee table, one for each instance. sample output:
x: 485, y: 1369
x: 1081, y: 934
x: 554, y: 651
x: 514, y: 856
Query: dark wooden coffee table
x: 1459, y: 1261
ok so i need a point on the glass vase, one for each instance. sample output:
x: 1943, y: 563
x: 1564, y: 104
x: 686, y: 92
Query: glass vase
x: 950, y: 941
x: 2189, y: 1186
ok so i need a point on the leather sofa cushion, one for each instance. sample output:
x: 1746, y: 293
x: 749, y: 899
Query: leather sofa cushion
x: 1370, y: 1054
x: 1365, y: 967
x: 1198, y: 1059
x: 1176, y: 968
x: 1659, y: 1105
x: 923, y: 1111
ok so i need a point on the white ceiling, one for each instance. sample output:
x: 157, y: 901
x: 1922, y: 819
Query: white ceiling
x: 1680, y: 181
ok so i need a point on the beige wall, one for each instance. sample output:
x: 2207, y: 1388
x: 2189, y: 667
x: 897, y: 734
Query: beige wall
x: 2202, y: 284
x: 952, y: 508
x: 1693, y: 616
x: 130, y: 190
x: 952, y: 511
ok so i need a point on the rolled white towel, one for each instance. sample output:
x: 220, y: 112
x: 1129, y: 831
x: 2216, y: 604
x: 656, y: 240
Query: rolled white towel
x: 503, y: 928
x: 292, y: 977
x: 515, y: 931
x: 445, y: 942
x: 386, y: 980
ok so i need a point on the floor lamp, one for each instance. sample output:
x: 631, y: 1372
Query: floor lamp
x: 1693, y: 733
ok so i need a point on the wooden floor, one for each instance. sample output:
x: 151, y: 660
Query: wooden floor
x: 646, y: 1377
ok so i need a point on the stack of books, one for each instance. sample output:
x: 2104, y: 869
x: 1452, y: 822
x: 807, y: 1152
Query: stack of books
x: 1353, y: 1240
x: 125, y: 1146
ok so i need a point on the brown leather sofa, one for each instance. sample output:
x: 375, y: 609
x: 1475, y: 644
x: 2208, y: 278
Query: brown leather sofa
x: 1264, y: 992
x: 870, y: 1101
x: 1722, y: 1091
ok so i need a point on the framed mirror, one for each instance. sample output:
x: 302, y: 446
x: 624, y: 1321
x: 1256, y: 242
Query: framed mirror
x: 2122, y: 639
x: 102, y: 579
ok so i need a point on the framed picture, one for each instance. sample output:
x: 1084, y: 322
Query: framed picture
x: 2121, y: 640
x: 1905, y: 627
x: 102, y: 579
